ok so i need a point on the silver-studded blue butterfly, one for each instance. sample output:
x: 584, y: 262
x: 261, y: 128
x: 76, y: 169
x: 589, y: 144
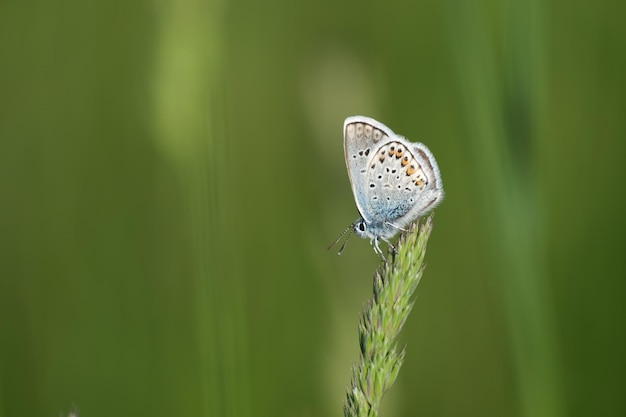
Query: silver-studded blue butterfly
x: 394, y: 181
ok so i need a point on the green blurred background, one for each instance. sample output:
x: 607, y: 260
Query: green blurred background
x: 172, y: 172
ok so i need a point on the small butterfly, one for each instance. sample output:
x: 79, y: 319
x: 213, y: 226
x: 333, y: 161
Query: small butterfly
x: 394, y: 181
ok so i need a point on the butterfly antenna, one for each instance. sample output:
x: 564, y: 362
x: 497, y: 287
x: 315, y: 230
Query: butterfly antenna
x: 349, y: 228
x: 345, y: 242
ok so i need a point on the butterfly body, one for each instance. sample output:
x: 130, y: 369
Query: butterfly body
x: 394, y: 181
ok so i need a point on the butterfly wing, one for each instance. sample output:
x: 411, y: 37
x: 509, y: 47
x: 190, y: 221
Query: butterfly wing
x: 362, y: 136
x: 427, y: 180
x: 401, y: 178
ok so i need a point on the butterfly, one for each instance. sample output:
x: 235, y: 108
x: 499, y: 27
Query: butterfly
x: 394, y: 181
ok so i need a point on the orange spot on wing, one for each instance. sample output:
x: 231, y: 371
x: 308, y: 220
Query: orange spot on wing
x: 410, y: 170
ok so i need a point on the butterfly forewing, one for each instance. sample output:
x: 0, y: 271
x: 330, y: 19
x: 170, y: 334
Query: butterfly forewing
x: 362, y: 137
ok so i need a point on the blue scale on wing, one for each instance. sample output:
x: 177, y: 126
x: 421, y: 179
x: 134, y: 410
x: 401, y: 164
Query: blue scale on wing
x: 391, y: 189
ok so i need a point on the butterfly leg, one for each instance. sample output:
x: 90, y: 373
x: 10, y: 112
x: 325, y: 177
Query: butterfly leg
x: 390, y: 245
x: 395, y: 227
x: 374, y: 242
x: 377, y: 250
